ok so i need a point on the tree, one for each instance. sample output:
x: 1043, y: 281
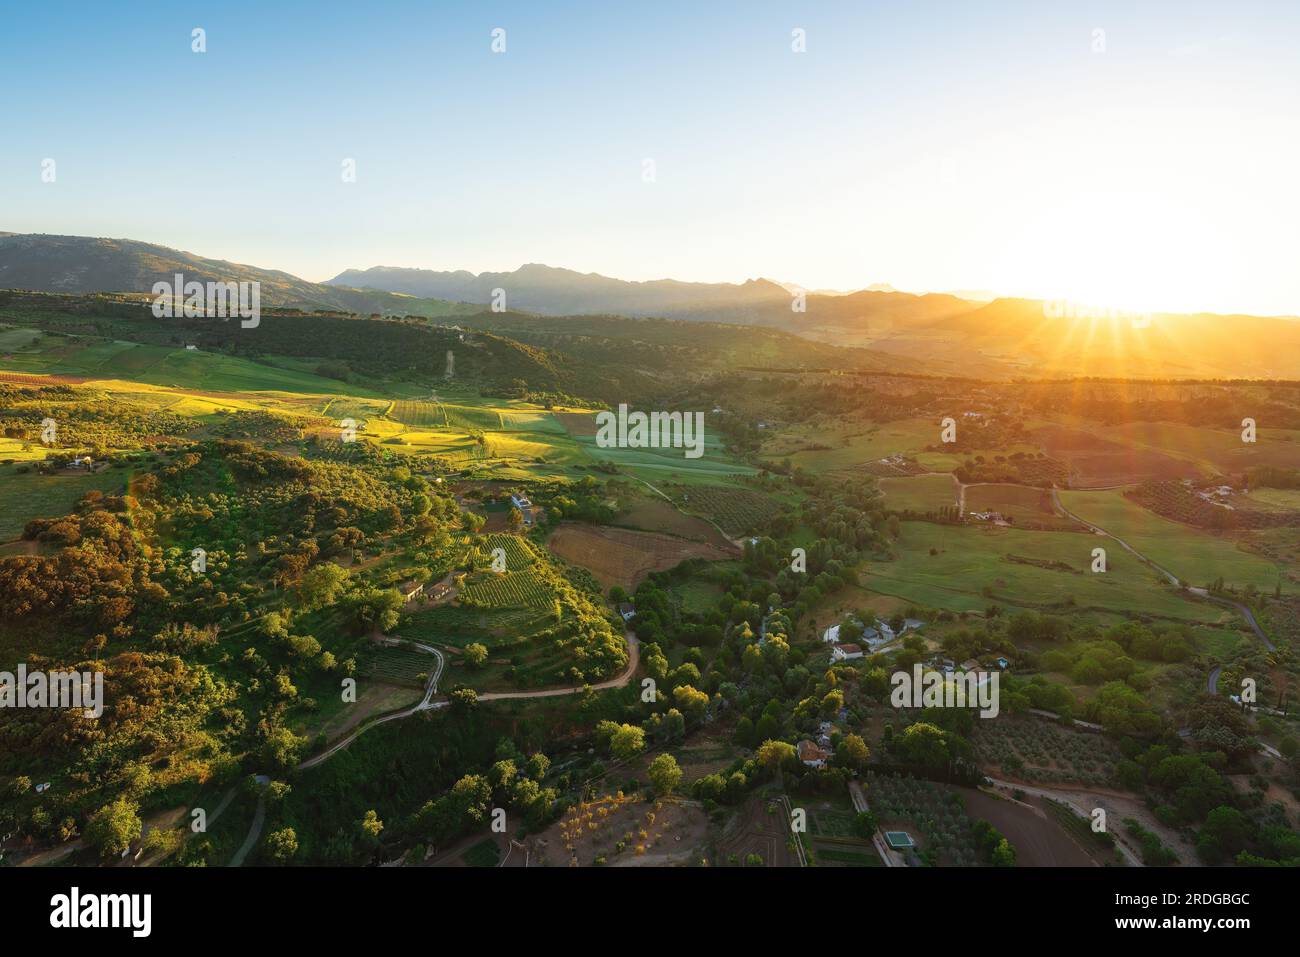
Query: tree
x: 1004, y: 855
x: 690, y: 700
x: 865, y: 824
x: 773, y: 756
x: 665, y: 775
x: 476, y: 654
x: 1225, y: 831
x: 502, y: 775
x: 852, y: 752
x: 320, y: 586
x: 516, y: 520
x: 538, y: 765
x: 463, y: 700
x: 376, y: 608
x: 627, y: 742
x: 282, y: 845
x: 114, y: 827
x: 371, y: 826
x: 923, y: 745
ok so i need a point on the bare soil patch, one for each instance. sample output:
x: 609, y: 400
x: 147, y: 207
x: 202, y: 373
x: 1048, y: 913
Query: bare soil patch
x: 1039, y: 841
x: 760, y: 827
x: 625, y: 832
x: 621, y: 556
x: 656, y: 515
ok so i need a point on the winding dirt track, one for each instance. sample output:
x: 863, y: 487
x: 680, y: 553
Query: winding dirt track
x: 428, y: 704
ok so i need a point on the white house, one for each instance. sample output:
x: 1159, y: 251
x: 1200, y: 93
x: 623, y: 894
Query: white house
x: 831, y: 635
x: 845, y: 653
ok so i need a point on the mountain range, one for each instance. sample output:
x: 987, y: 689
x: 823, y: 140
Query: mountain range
x: 945, y: 333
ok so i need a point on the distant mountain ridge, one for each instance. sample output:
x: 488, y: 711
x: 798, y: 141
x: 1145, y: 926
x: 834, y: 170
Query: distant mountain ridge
x: 81, y: 264
x: 550, y: 290
x: 936, y: 332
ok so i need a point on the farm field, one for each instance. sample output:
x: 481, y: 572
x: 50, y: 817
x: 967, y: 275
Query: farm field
x: 1041, y: 751
x: 1097, y: 462
x: 736, y: 510
x: 620, y: 556
x: 852, y: 444
x: 1194, y: 556
x: 1213, y: 450
x: 1275, y: 499
x: 652, y: 514
x: 652, y: 465
x: 1037, y: 837
x: 168, y: 366
x: 921, y: 494
x: 933, y: 814
x: 970, y: 559
x: 1025, y: 506
x: 28, y: 496
x: 758, y: 835
x: 510, y: 589
x: 619, y: 831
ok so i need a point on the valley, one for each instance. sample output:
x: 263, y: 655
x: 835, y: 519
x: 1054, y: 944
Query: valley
x: 401, y: 566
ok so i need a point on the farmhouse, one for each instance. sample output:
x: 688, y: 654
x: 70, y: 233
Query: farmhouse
x: 811, y: 755
x: 531, y: 513
x: 845, y: 653
x: 627, y: 610
x: 86, y: 463
x: 410, y: 590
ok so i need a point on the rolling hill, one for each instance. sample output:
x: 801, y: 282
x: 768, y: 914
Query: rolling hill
x: 937, y: 333
x: 82, y: 264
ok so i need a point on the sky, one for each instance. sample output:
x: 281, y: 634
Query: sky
x: 1138, y: 155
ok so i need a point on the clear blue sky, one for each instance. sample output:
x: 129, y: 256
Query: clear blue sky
x: 931, y: 145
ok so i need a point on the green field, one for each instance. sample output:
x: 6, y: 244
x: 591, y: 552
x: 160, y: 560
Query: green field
x: 1022, y: 504
x: 969, y: 559
x: 1194, y: 556
x: 167, y: 366
x: 32, y: 496
x: 919, y: 493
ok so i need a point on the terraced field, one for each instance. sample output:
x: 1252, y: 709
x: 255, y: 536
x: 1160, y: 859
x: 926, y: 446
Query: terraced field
x: 512, y: 589
x: 401, y: 666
